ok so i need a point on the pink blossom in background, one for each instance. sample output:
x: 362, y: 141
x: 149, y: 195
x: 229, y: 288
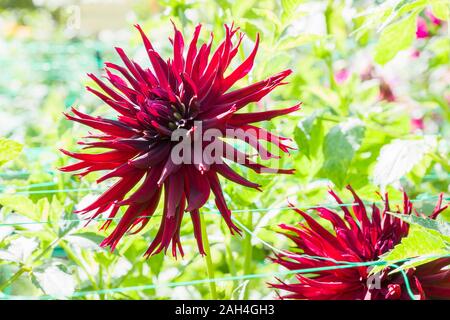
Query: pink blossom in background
x: 417, y: 124
x: 386, y: 92
x: 434, y: 20
x: 422, y: 29
x: 368, y: 73
x: 415, y: 53
x: 341, y: 76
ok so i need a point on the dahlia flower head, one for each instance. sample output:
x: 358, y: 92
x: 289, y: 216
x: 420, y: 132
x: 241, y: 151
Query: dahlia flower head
x: 422, y: 29
x: 358, y: 239
x: 428, y: 25
x: 188, y: 93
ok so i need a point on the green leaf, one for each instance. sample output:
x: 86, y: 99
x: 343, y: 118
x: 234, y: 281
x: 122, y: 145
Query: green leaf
x: 19, y: 250
x: 419, y: 243
x: 268, y: 15
x: 292, y: 42
x: 156, y: 263
x: 441, y: 9
x: 407, y: 6
x: 398, y: 158
x: 339, y: 148
x: 54, y: 282
x: 240, y: 8
x: 20, y: 205
x: 91, y: 236
x: 308, y: 135
x: 436, y: 225
x: 9, y: 150
x: 328, y: 96
x: 289, y: 8
x: 418, y: 172
x: 277, y: 61
x: 394, y: 38
x: 68, y: 223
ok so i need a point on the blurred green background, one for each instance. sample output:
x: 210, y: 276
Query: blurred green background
x: 375, y: 114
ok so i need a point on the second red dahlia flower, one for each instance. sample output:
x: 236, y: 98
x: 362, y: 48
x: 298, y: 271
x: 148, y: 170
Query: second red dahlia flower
x: 188, y: 93
x: 357, y: 237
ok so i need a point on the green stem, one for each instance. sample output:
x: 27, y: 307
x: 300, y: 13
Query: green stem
x: 25, y: 268
x: 14, y: 277
x: 230, y: 261
x: 209, y: 264
x: 443, y: 162
x: 248, y: 252
x: 329, y: 58
x: 72, y: 256
x: 101, y: 282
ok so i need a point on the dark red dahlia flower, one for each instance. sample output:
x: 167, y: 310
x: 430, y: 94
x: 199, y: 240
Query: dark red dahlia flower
x: 357, y: 238
x: 188, y: 93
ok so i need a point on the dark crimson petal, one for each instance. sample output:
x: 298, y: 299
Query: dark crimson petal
x: 216, y: 121
x: 155, y: 155
x: 174, y: 186
x: 192, y: 51
x: 168, y: 228
x: 360, y: 209
x: 124, y: 224
x: 242, y: 70
x: 164, y: 131
x: 348, y: 216
x: 314, y: 226
x: 75, y: 167
x: 147, y: 214
x: 117, y: 191
x: 197, y: 188
x: 147, y: 43
x: 438, y: 208
x: 224, y: 170
x: 126, y: 74
x: 178, y: 47
x: 265, y: 135
x: 126, y: 145
x: 111, y: 156
x: 120, y: 171
x: 147, y: 189
x: 169, y: 169
x: 221, y: 203
x: 189, y: 86
x: 113, y: 104
x: 197, y: 230
x: 160, y: 68
x: 252, y: 140
x: 259, y: 168
x: 239, y: 119
x: 114, y: 95
x: 130, y: 65
x: 258, y: 89
x: 136, y: 143
x: 235, y: 155
x: 107, y: 127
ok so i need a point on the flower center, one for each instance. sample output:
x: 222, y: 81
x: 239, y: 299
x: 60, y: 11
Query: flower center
x: 183, y: 114
x: 162, y: 117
